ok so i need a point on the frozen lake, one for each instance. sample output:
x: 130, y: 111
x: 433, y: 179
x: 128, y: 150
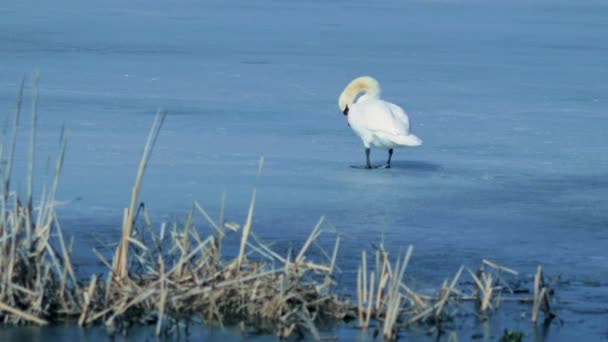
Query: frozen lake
x: 509, y: 97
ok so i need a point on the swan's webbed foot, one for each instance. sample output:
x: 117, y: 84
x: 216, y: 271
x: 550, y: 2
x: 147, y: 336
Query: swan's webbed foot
x: 366, y: 167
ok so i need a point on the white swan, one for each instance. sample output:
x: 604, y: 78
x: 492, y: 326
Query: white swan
x: 378, y: 123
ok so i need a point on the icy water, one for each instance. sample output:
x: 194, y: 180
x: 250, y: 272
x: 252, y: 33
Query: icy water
x: 509, y: 97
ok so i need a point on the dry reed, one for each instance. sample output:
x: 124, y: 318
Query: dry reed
x: 180, y: 275
x: 396, y: 306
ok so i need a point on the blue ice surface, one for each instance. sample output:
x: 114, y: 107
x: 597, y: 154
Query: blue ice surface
x: 509, y: 97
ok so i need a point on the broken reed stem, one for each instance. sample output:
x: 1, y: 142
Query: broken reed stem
x: 163, y: 296
x: 120, y: 264
x: 446, y: 295
x: 31, y: 154
x: 394, y: 297
x: 88, y: 296
x: 24, y: 315
x: 67, y: 265
x: 370, y: 301
x: 247, y: 226
x: 537, y: 303
x: 537, y: 291
x: 312, y: 237
x: 487, y: 292
x: 208, y: 218
x: 499, y: 267
x: 541, y: 297
x: 384, y: 276
x: 246, y: 229
x: 334, y: 256
x: 483, y: 283
x: 13, y: 141
x: 50, y: 202
x: 364, y: 273
x: 360, y: 296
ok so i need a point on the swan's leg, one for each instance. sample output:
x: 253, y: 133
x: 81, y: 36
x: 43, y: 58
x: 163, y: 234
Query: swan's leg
x: 390, y: 155
x: 368, y: 164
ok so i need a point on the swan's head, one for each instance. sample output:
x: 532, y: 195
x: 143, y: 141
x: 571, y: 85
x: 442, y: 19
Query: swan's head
x: 363, y: 84
x: 343, y: 104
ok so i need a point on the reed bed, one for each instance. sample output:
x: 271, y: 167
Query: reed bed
x: 393, y: 305
x: 171, y: 275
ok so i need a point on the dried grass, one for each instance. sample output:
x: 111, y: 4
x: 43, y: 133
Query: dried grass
x: 400, y: 307
x: 179, y: 275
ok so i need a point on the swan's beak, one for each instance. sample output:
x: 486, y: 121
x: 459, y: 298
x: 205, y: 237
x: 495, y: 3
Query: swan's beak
x: 345, y: 112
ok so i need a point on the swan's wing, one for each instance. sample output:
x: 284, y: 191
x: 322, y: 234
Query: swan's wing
x: 400, y: 117
x: 382, y: 123
x: 382, y: 116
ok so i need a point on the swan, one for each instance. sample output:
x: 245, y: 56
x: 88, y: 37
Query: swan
x: 378, y: 123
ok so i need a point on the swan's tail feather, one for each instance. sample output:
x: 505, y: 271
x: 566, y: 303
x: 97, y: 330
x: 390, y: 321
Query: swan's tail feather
x: 407, y: 140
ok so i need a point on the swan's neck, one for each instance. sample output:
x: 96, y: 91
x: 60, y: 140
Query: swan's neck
x: 366, y: 85
x: 364, y: 97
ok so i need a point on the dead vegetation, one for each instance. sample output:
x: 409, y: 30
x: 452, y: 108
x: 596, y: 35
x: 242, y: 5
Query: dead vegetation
x: 165, y: 275
x: 395, y: 306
